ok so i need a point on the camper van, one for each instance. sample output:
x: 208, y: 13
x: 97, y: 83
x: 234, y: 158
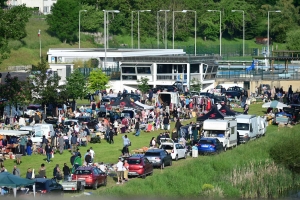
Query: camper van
x: 38, y: 131
x: 170, y: 99
x: 223, y: 129
x: 247, y: 127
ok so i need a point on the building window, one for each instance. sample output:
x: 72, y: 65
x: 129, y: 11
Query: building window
x: 128, y: 70
x: 143, y: 70
x: 194, y: 68
x: 129, y: 77
x: 164, y: 69
x: 46, y: 9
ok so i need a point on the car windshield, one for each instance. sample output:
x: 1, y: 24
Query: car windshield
x: 206, y: 142
x: 152, y: 154
x: 167, y: 147
x: 134, y: 161
x: 242, y: 126
x: 83, y: 172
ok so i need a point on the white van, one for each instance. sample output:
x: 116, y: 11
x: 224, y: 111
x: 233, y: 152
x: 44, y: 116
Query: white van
x: 47, y: 129
x: 37, y: 132
x: 247, y: 127
x: 223, y: 129
x: 171, y: 99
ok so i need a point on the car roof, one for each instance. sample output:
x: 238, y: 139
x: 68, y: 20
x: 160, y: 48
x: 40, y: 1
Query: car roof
x: 155, y: 150
x: 85, y: 168
x: 136, y: 156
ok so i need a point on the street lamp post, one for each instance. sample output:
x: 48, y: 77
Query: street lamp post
x: 79, y: 28
x: 105, y: 36
x: 277, y: 11
x: 195, y: 28
x: 243, y: 29
x: 107, y: 22
x: 173, y: 26
x: 166, y: 35
x: 132, y: 29
x: 220, y: 28
x: 139, y: 25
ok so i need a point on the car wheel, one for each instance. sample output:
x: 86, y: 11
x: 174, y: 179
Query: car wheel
x: 170, y: 163
x: 143, y: 176
x: 176, y: 158
x: 162, y: 166
x: 95, y: 185
x: 105, y: 182
x: 225, y: 148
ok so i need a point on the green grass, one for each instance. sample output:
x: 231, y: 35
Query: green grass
x: 246, y: 171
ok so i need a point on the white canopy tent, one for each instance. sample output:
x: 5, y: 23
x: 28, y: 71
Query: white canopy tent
x: 146, y: 107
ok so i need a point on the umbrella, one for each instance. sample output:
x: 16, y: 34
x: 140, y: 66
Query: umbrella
x: 274, y: 104
x: 12, y: 181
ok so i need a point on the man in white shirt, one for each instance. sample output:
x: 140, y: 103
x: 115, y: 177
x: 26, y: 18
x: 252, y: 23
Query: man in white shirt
x: 120, y: 171
x: 92, y: 152
x: 102, y: 167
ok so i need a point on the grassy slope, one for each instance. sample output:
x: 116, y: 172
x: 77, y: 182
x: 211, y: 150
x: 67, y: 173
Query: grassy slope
x: 27, y: 52
x: 185, y: 177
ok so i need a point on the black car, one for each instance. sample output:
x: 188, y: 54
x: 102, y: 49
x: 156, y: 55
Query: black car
x: 44, y: 186
x: 159, y: 158
x: 89, y: 121
x: 207, y: 94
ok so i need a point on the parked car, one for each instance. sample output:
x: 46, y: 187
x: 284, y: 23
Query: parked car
x: 44, y: 186
x: 159, y: 158
x: 207, y: 94
x: 89, y: 121
x: 93, y: 176
x: 139, y: 165
x: 209, y: 145
x: 235, y: 91
x: 176, y: 150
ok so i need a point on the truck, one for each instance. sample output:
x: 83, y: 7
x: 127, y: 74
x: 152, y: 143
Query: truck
x: 225, y: 130
x: 247, y: 127
x: 171, y: 99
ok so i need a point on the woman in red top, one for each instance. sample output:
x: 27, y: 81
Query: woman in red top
x: 208, y: 107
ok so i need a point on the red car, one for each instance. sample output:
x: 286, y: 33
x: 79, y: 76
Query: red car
x: 93, y: 176
x: 139, y: 166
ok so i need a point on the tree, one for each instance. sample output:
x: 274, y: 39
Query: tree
x: 195, y: 85
x: 143, y: 85
x: 76, y: 85
x: 64, y: 19
x: 293, y: 40
x: 13, y: 24
x: 45, y: 86
x: 15, y: 91
x: 97, y: 81
x: 92, y: 20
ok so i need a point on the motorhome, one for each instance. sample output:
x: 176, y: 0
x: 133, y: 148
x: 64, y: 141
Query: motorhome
x: 38, y: 131
x: 171, y: 99
x: 223, y: 129
x: 247, y: 127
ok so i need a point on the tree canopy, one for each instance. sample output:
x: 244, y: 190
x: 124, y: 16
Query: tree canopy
x: 76, y: 85
x: 97, y: 81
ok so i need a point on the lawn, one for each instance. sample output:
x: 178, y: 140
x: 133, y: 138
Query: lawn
x: 207, y: 176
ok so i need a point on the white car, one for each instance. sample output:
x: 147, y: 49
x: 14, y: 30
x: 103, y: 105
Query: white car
x: 176, y: 150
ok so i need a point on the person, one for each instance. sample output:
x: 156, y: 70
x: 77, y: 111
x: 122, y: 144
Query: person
x: 111, y: 135
x: 126, y: 170
x: 137, y: 127
x: 120, y: 171
x: 48, y: 150
x: 152, y: 142
x: 16, y: 171
x: 61, y: 144
x: 55, y: 170
x: 42, y: 171
x: 92, y: 153
x: 73, y: 142
x: 126, y: 141
x: 23, y: 142
x: 246, y: 109
x: 36, y: 118
x: 102, y: 167
x: 29, y: 145
x: 29, y: 173
x: 290, y: 94
x: 88, y: 158
x: 150, y: 95
x: 166, y: 122
x: 72, y: 159
x: 178, y: 125
x: 160, y: 136
x: 66, y: 171
x: 78, y: 153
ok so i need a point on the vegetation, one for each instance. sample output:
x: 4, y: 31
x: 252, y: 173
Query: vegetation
x: 143, y: 85
x: 97, y: 81
x: 195, y: 85
x: 76, y: 85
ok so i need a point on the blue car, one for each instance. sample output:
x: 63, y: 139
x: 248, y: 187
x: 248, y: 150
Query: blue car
x: 209, y: 145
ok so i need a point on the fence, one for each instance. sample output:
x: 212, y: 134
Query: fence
x: 113, y: 73
x: 291, y: 73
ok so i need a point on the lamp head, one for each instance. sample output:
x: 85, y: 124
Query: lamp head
x: 164, y: 10
x: 184, y: 11
x: 278, y: 11
x: 145, y: 10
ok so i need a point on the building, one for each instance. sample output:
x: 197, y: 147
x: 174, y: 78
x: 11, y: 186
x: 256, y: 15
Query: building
x: 160, y: 66
x: 44, y: 6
